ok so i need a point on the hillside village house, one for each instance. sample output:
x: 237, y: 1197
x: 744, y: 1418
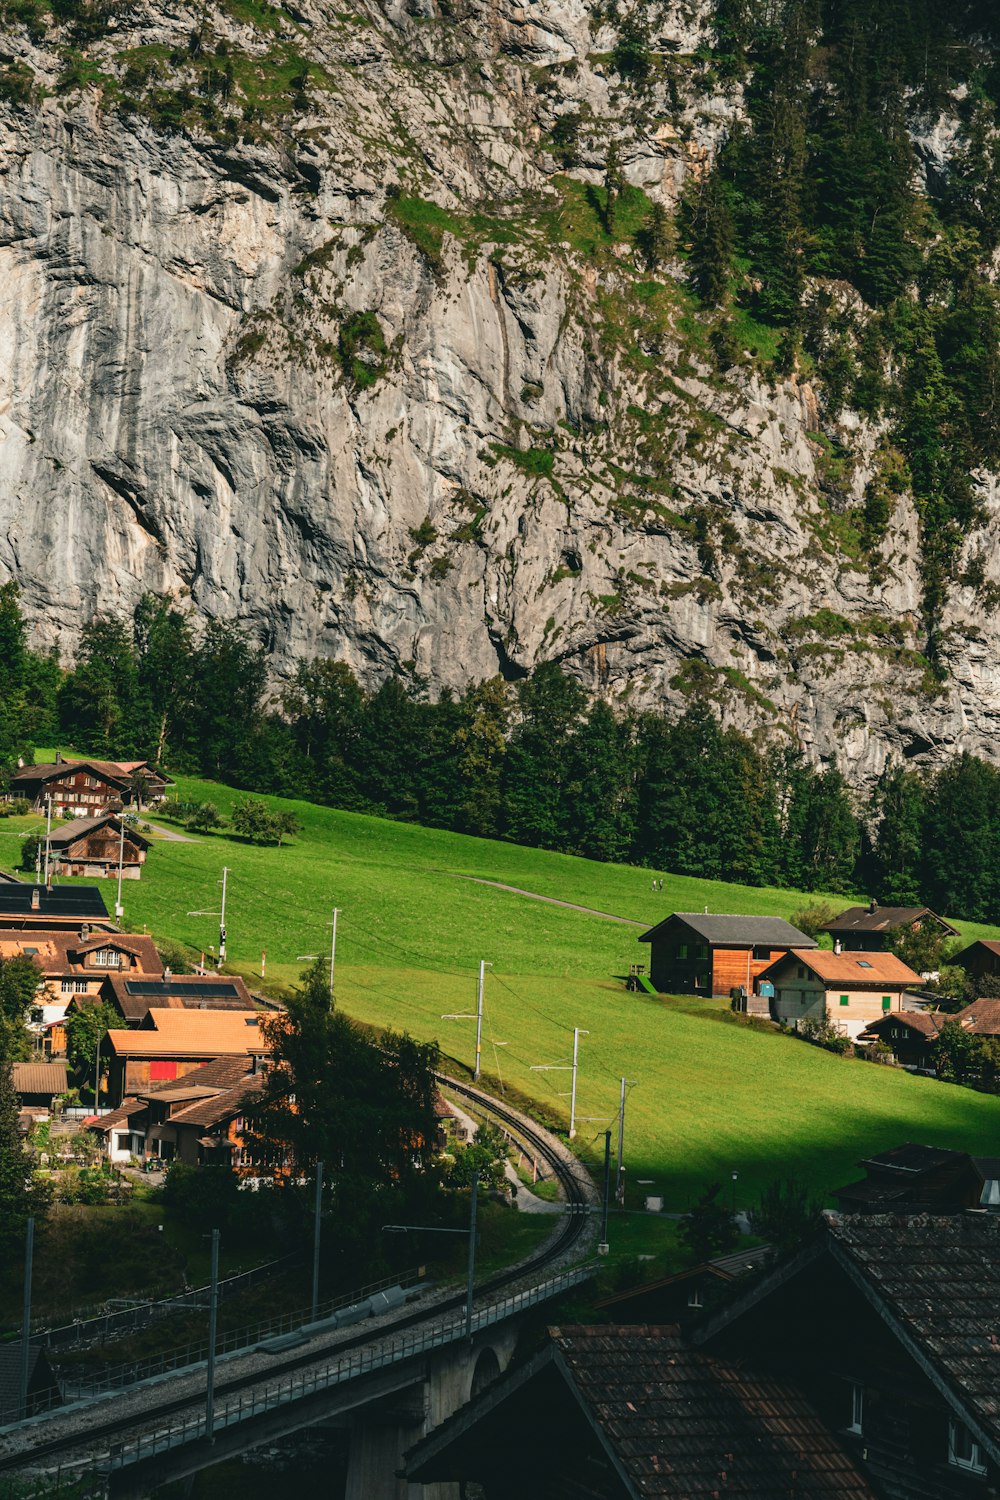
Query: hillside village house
x: 713, y: 954
x: 981, y: 959
x: 910, y: 1034
x: 170, y: 1044
x: 197, y: 1120
x: 82, y: 788
x: 75, y: 966
x: 887, y: 1324
x: 134, y: 996
x: 872, y: 928
x: 59, y: 909
x: 94, y: 846
x: 917, y: 1179
x: 850, y: 990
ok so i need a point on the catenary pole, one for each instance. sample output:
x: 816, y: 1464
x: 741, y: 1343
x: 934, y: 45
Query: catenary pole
x: 119, y: 909
x: 213, y: 1321
x: 470, y: 1281
x: 603, y: 1247
x: 29, y: 1251
x: 317, y: 1230
x: 333, y: 949
x: 479, y: 1019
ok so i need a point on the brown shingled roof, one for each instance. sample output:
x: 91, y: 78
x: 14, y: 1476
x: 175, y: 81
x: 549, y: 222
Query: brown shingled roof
x: 40, y: 1077
x: 884, y: 919
x: 982, y: 1017
x: 927, y: 1022
x: 191, y: 1033
x: 856, y: 970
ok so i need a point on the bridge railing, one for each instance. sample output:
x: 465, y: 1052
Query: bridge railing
x: 228, y: 1342
x: 350, y: 1366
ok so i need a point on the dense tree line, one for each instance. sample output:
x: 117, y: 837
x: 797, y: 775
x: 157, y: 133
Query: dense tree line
x: 536, y: 762
x: 821, y: 191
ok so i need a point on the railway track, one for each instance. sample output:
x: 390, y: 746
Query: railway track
x: 575, y: 1184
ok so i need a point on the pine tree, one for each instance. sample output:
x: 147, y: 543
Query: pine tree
x: 897, y: 805
x: 711, y: 228
x: 19, y: 1197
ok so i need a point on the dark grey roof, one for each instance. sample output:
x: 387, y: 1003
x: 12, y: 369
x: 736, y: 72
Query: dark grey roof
x: 61, y: 901
x: 883, y: 919
x: 6, y: 879
x: 738, y: 931
x: 913, y: 1158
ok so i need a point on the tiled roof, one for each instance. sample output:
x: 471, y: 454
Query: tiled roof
x: 681, y: 1423
x: 738, y: 930
x: 40, y: 1077
x: 982, y: 1017
x: 927, y: 1022
x: 60, y: 953
x: 852, y: 969
x: 883, y: 919
x: 191, y: 1033
x: 940, y: 1278
x: 218, y: 1077
x: 220, y: 1107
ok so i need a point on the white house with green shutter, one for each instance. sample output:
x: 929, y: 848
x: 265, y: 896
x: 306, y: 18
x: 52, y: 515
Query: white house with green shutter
x: 850, y: 989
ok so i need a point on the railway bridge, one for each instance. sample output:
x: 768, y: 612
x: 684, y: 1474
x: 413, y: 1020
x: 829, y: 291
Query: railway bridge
x: 388, y: 1384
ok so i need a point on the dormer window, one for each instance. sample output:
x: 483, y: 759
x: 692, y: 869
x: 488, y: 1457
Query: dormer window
x: 856, y: 1423
x: 963, y: 1449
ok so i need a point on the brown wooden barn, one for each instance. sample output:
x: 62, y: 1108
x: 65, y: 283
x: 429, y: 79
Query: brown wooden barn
x: 714, y: 953
x: 92, y: 846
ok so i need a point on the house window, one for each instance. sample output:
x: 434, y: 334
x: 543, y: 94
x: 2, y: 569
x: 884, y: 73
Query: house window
x: 764, y: 953
x: 845, y: 1000
x: 694, y: 1298
x: 856, y: 1423
x: 863, y: 963
x: 73, y: 986
x: 682, y: 950
x: 887, y: 1002
x: 800, y: 972
x: 963, y: 1450
x: 107, y: 958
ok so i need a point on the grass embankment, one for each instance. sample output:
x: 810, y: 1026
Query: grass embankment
x: 711, y: 1095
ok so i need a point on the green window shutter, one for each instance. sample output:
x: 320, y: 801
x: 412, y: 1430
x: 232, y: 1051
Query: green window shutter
x: 887, y: 1002
x: 844, y: 1000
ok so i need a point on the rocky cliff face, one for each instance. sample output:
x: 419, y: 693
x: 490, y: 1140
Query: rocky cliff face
x: 306, y: 324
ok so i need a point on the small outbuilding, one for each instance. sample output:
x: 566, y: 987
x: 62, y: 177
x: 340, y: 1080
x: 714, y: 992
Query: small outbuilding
x: 702, y: 953
x: 981, y: 959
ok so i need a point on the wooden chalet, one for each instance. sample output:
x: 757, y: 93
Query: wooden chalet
x: 198, y: 1119
x: 916, y: 1179
x: 91, y: 847
x: 886, y: 1324
x: 911, y: 1034
x: 170, y: 1044
x: 84, y: 788
x: 74, y: 967
x: 849, y: 990
x: 630, y: 1412
x: 715, y: 954
x: 981, y: 959
x: 872, y: 928
x: 56, y: 909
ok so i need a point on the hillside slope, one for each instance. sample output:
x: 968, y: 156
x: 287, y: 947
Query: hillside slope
x: 319, y: 319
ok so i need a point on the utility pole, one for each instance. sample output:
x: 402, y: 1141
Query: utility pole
x: 620, y: 1184
x: 462, y: 1015
x: 317, y: 1229
x: 97, y: 1075
x: 470, y: 1282
x: 29, y: 1250
x: 604, y: 1247
x: 213, y: 1320
x: 119, y: 909
x: 222, y: 920
x: 333, y: 950
x: 48, y: 835
x: 479, y: 1019
x: 577, y: 1034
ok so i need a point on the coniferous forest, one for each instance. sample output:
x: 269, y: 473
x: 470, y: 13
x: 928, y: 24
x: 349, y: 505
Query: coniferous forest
x: 536, y: 762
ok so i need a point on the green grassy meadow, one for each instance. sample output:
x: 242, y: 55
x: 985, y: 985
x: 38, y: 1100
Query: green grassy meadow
x: 710, y: 1096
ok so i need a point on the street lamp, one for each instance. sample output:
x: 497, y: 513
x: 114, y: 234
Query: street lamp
x: 735, y: 1176
x: 471, y: 1232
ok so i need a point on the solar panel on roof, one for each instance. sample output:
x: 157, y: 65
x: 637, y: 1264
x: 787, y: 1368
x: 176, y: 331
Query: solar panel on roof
x: 160, y: 988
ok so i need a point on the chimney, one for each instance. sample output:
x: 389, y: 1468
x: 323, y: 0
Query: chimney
x: 872, y: 907
x: 84, y: 932
x: 36, y: 898
x: 838, y: 946
x: 166, y: 972
x: 59, y: 759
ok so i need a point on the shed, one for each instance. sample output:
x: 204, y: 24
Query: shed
x: 38, y: 1083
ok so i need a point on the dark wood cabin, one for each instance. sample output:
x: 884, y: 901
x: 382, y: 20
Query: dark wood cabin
x: 84, y: 788
x: 873, y: 928
x: 93, y: 846
x: 692, y: 953
x: 981, y: 959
